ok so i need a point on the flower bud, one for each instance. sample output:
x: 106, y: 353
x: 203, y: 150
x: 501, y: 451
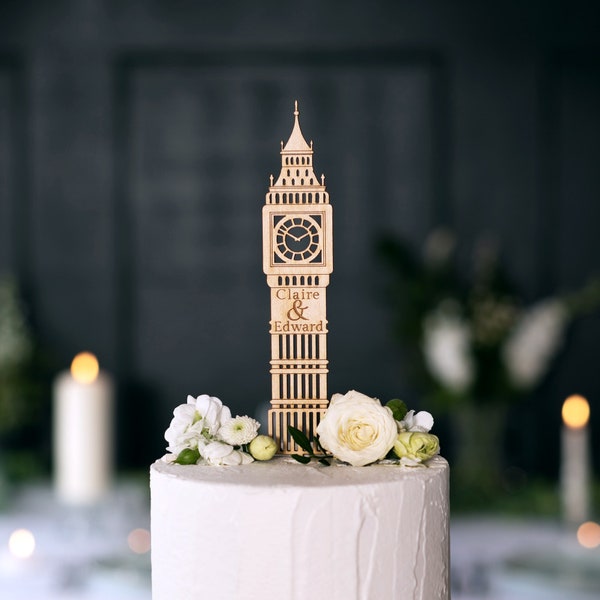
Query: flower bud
x: 263, y: 447
x: 414, y: 447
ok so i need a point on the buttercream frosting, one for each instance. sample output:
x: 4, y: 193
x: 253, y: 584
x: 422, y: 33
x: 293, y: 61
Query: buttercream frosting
x: 282, y: 530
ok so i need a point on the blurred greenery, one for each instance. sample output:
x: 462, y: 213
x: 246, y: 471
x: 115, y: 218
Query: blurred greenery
x: 24, y: 413
x: 517, y: 496
x: 473, y: 347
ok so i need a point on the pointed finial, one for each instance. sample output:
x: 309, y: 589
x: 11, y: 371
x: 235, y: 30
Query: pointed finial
x: 271, y: 178
x: 296, y: 142
x: 322, y: 178
x: 311, y: 145
x: 282, y: 144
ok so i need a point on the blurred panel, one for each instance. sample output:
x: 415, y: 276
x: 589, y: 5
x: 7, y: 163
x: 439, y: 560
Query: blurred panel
x: 495, y: 174
x: 578, y: 179
x: 72, y: 209
x: 8, y: 212
x: 576, y: 184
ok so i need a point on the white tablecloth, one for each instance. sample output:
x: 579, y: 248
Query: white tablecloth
x: 80, y: 553
x: 521, y: 559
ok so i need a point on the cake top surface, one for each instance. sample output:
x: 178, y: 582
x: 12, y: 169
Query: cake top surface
x: 286, y: 472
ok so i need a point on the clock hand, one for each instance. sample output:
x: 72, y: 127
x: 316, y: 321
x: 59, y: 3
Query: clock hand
x: 303, y: 236
x: 293, y: 236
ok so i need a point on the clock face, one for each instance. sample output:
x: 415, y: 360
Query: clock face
x: 297, y: 238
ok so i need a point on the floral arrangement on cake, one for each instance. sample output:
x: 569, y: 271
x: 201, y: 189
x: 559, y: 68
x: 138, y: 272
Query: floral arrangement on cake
x: 204, y: 432
x: 359, y: 430
x: 356, y: 429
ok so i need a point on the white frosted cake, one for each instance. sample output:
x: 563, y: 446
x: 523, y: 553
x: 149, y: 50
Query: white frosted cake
x: 286, y: 531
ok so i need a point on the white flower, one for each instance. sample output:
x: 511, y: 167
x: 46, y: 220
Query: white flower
x: 219, y: 453
x: 446, y: 342
x: 239, y: 430
x: 195, y: 423
x: 534, y: 342
x: 185, y: 429
x: 421, y: 421
x: 357, y: 429
x: 212, y: 411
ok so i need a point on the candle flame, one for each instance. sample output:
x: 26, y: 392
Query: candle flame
x: 575, y: 412
x: 21, y: 543
x: 588, y: 535
x: 84, y: 367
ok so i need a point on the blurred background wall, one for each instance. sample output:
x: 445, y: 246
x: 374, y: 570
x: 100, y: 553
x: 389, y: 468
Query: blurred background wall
x: 136, y: 142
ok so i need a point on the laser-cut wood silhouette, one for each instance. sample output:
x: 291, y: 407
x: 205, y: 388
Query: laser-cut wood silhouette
x: 297, y: 260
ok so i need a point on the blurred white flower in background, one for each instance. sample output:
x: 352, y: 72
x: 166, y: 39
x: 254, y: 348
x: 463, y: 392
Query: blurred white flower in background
x: 535, y: 339
x: 446, y: 348
x: 477, y: 340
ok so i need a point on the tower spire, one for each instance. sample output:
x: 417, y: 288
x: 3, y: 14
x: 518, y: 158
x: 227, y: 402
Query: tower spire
x: 296, y: 142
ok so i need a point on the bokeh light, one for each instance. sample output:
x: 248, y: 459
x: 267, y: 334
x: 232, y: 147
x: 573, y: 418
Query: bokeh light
x: 588, y: 534
x: 21, y: 543
x: 138, y: 541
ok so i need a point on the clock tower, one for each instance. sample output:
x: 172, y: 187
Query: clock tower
x: 297, y: 260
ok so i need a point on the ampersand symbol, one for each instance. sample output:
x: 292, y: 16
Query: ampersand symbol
x: 297, y: 311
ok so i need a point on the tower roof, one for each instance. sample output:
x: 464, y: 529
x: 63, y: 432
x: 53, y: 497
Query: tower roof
x: 296, y: 142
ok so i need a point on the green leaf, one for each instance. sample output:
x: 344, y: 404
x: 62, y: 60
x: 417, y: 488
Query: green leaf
x: 398, y: 407
x: 324, y: 462
x: 301, y: 439
x: 188, y: 457
x: 318, y: 444
x: 301, y: 459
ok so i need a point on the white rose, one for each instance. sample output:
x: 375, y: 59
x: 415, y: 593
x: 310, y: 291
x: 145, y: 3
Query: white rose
x: 219, y: 453
x: 357, y: 429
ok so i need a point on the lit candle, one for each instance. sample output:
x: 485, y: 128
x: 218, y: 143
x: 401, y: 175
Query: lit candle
x: 83, y: 400
x: 575, y: 465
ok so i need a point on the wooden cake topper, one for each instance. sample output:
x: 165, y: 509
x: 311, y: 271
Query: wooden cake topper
x: 297, y: 260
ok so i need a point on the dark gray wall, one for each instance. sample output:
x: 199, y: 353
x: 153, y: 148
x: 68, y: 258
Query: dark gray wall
x: 136, y: 141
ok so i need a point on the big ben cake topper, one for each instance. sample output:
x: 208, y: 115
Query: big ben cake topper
x: 297, y: 260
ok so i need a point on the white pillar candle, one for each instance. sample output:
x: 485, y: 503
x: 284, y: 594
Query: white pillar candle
x: 575, y: 460
x: 83, y: 440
